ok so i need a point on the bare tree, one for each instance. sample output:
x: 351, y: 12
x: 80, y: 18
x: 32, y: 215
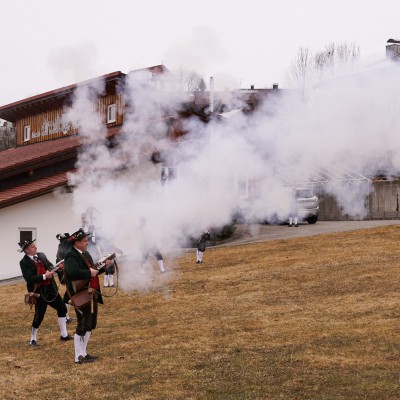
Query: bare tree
x: 191, y: 81
x: 308, y: 70
x: 301, y: 70
x: 348, y: 53
x: 324, y: 61
x: 336, y: 59
x: 202, y: 86
x: 7, y: 135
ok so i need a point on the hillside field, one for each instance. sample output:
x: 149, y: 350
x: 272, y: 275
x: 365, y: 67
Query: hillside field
x: 304, y: 318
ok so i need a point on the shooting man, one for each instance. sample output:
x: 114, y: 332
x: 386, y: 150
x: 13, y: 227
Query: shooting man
x: 82, y: 275
x: 38, y: 273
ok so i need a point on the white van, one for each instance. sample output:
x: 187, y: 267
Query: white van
x: 308, y: 205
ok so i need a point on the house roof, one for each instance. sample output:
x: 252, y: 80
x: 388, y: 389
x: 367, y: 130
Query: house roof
x: 155, y: 70
x: 56, y: 98
x: 28, y: 157
x: 32, y: 189
x: 42, y: 102
x: 25, y: 158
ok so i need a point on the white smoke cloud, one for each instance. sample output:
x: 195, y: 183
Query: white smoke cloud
x: 74, y: 63
x: 201, y: 50
x: 349, y: 126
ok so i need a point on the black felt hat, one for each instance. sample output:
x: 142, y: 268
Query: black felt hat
x: 63, y: 236
x: 78, y: 235
x: 23, y: 245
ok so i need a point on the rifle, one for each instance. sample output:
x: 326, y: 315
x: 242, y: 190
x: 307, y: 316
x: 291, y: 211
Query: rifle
x: 56, y: 267
x: 80, y: 284
x: 102, y: 262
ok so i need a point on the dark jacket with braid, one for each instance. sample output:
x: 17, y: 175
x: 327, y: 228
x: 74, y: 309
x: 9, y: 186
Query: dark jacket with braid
x: 29, y: 271
x: 76, y: 268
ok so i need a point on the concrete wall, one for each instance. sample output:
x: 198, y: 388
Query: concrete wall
x: 48, y: 215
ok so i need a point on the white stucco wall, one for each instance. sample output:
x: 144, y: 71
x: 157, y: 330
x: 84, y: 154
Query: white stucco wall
x: 48, y: 214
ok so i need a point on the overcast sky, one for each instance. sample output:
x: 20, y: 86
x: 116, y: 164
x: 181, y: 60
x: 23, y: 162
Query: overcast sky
x: 47, y: 44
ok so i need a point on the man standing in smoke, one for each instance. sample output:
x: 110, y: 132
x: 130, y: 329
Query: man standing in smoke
x: 148, y: 247
x: 201, y: 246
x: 106, y: 246
x: 293, y: 212
x: 90, y: 230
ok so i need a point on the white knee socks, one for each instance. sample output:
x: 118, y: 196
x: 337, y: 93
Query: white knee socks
x: 68, y: 307
x: 62, y: 323
x: 161, y: 265
x: 85, y: 343
x: 79, y: 346
x: 34, y: 334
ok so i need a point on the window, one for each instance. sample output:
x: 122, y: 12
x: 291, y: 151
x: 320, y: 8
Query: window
x: 27, y: 133
x: 26, y: 234
x: 111, y: 113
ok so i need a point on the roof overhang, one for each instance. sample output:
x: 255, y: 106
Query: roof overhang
x: 32, y: 190
x: 28, y: 157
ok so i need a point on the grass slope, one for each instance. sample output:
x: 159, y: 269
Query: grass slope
x: 309, y: 318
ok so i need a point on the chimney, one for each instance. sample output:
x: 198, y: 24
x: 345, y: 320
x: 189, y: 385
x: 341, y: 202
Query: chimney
x: 274, y: 86
x: 211, y: 94
x: 393, y: 49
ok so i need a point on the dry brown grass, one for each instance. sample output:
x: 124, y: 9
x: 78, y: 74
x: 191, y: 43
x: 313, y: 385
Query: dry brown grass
x: 310, y: 318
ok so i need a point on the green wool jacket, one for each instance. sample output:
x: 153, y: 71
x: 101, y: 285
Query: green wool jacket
x: 29, y: 272
x: 76, y: 268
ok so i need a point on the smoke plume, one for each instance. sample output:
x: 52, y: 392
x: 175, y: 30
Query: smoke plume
x: 344, y: 133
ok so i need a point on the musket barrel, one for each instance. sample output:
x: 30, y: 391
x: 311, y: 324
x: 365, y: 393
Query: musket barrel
x: 102, y: 260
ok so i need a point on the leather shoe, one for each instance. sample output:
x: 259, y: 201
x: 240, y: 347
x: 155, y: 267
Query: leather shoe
x: 83, y: 360
x: 65, y: 338
x: 33, y: 343
x: 90, y: 357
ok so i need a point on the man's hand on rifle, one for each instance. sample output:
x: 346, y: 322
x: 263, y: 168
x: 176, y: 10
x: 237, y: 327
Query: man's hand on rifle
x: 93, y: 272
x: 49, y: 274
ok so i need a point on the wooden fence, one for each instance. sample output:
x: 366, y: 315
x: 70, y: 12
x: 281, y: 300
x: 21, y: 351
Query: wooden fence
x: 381, y: 203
